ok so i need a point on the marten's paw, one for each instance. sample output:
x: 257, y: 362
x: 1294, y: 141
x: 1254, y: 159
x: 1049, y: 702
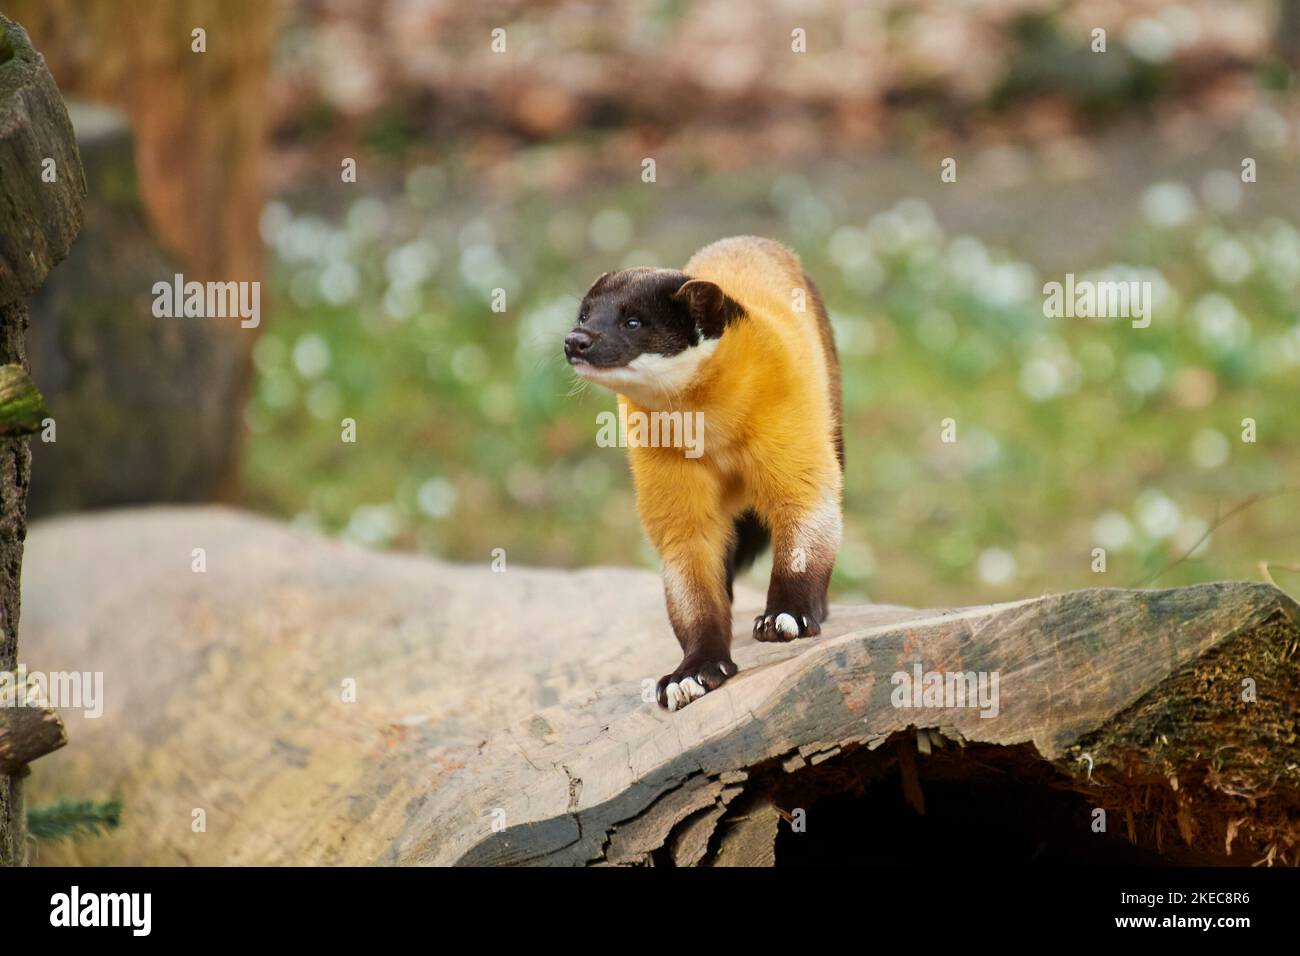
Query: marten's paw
x: 692, y: 680
x: 785, y: 626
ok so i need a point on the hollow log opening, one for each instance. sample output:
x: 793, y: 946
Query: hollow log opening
x: 896, y: 806
x: 899, y: 805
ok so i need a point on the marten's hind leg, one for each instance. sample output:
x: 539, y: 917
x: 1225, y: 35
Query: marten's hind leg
x: 804, y: 545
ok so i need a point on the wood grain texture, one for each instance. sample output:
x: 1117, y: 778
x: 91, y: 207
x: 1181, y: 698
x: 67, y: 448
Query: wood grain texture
x: 500, y: 718
x: 749, y: 839
x: 1069, y: 665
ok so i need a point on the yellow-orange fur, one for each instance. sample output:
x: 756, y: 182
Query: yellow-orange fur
x: 769, y: 435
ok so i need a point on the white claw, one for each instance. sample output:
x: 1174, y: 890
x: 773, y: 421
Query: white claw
x: 693, y: 689
x: 675, y: 697
x: 787, y: 625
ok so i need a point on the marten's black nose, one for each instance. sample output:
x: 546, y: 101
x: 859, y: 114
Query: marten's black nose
x: 577, y: 342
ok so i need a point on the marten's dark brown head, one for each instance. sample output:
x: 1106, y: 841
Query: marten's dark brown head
x: 644, y: 331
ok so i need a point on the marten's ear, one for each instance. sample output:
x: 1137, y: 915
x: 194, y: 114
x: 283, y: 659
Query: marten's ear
x: 603, y: 276
x: 711, y: 308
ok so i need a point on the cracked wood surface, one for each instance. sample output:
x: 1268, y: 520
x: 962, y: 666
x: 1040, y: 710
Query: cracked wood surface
x: 500, y: 718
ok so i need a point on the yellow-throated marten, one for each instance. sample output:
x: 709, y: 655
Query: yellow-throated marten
x: 741, y: 337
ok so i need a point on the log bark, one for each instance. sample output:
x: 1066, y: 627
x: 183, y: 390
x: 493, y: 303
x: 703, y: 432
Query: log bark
x: 502, y: 718
x: 39, y: 218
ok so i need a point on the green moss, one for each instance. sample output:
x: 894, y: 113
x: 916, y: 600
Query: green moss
x: 6, y: 48
x: 21, y: 405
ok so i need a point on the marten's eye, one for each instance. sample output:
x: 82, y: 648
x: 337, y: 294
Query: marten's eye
x: 632, y: 324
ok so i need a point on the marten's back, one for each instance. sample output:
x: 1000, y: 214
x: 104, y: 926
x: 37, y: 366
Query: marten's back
x: 758, y: 273
x: 763, y: 276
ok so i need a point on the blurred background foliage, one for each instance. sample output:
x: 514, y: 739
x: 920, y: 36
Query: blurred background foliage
x: 521, y: 171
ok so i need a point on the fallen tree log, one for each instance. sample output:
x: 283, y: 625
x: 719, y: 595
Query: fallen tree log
x: 1174, y: 711
x: 506, y: 718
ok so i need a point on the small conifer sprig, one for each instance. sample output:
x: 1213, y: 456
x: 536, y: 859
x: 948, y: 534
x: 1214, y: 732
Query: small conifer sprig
x: 73, y: 819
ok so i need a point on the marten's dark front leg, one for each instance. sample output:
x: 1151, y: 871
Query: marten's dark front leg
x: 695, y: 586
x: 681, y: 510
x: 804, y: 545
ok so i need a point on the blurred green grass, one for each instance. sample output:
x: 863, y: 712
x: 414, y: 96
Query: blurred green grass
x: 1072, y: 433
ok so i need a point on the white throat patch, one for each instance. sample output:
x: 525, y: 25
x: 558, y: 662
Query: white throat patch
x: 653, y: 381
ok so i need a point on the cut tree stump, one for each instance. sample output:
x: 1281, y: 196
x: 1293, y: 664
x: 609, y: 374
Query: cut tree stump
x: 504, y: 718
x: 42, y: 189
